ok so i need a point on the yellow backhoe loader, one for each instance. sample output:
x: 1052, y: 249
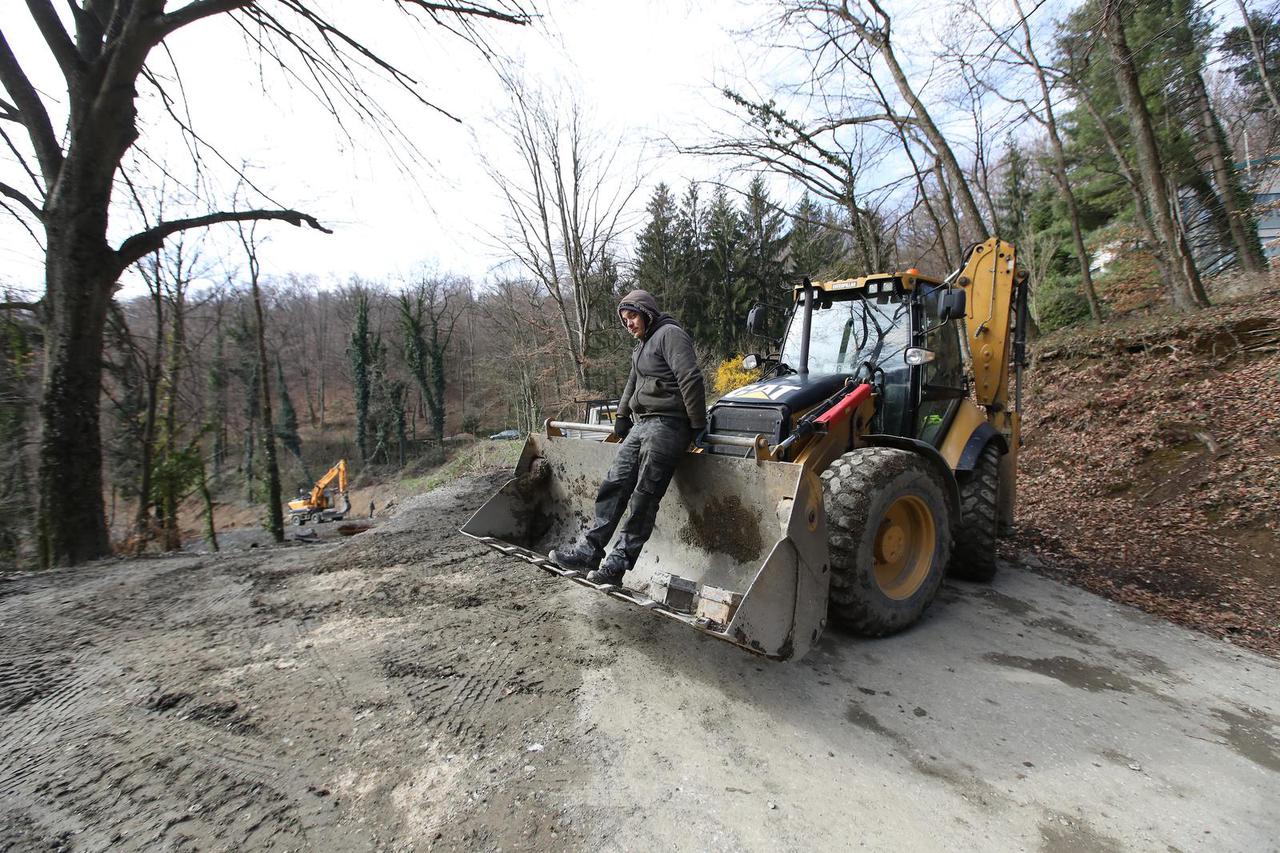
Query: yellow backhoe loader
x: 321, y: 503
x: 879, y: 449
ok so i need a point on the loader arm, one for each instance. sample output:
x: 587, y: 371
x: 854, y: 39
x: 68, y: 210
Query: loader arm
x: 994, y: 336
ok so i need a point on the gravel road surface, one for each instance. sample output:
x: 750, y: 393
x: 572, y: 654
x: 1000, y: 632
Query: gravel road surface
x: 409, y: 689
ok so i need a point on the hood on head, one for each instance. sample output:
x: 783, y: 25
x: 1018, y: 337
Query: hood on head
x: 642, y: 301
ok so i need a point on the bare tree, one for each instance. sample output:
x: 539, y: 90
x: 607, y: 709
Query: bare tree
x: 831, y: 165
x: 1259, y: 57
x: 275, y: 511
x: 514, y: 311
x: 1042, y: 112
x: 840, y: 26
x: 428, y: 313
x: 102, y: 49
x: 564, y: 206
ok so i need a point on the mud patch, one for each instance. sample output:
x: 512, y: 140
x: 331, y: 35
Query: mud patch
x: 725, y: 526
x: 864, y: 719
x: 1072, y: 672
x: 1062, y: 834
x: 1007, y: 603
x: 1249, y: 734
x: 1066, y: 629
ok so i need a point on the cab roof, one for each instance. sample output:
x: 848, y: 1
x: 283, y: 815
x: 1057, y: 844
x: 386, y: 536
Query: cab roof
x: 909, y: 280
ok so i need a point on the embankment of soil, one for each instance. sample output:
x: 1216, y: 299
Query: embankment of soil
x: 1151, y: 467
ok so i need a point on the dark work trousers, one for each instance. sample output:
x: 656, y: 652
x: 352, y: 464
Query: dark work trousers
x: 640, y: 474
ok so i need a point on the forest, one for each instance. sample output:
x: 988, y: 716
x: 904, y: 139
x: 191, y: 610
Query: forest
x: 1128, y: 148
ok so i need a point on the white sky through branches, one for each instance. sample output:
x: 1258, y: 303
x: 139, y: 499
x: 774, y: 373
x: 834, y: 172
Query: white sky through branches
x: 645, y: 71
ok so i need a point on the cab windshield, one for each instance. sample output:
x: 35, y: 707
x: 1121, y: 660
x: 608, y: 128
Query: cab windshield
x: 849, y: 333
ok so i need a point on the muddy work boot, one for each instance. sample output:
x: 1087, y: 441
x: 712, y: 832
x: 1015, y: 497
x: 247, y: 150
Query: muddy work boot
x: 580, y: 556
x: 610, y: 572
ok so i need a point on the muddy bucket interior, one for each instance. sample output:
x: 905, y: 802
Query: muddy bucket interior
x: 739, y: 549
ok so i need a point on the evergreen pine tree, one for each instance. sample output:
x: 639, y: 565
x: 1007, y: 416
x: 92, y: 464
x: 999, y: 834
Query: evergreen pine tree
x: 362, y: 357
x: 724, y: 272
x: 690, y: 299
x: 658, y: 249
x: 765, y: 238
x: 812, y: 245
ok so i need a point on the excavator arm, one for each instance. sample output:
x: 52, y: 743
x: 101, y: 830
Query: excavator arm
x: 316, y: 504
x: 337, y: 472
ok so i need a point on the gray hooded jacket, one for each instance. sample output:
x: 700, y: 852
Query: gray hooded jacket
x: 665, y: 379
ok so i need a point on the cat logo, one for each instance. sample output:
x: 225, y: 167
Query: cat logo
x: 762, y: 392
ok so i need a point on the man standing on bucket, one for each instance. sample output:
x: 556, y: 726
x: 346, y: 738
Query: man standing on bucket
x: 665, y: 395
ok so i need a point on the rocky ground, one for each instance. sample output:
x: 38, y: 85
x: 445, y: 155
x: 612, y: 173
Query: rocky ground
x: 408, y: 689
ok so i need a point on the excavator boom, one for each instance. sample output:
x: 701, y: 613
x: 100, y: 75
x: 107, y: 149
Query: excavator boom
x: 317, y: 503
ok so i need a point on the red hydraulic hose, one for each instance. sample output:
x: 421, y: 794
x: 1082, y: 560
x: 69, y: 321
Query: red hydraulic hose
x: 846, y: 406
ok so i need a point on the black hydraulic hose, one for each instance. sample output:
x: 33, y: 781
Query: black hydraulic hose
x: 1020, y: 345
x: 804, y: 330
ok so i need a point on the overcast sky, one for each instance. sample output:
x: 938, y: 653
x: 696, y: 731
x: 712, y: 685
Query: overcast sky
x: 646, y: 72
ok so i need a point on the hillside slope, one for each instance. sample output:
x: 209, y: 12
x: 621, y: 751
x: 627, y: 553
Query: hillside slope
x: 1151, y: 466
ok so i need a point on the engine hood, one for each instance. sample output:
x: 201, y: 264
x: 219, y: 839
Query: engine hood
x: 797, y: 392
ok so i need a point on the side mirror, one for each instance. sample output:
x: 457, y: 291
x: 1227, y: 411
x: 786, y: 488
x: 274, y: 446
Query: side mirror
x: 751, y: 362
x: 952, y: 304
x: 758, y: 320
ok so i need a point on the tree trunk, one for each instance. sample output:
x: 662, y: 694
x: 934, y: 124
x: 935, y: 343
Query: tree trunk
x: 275, y: 513
x: 79, y: 278
x: 1243, y: 232
x: 172, y: 536
x: 879, y: 38
x: 142, y: 519
x: 1060, y: 172
x: 1135, y: 189
x: 1185, y: 290
x: 210, y: 531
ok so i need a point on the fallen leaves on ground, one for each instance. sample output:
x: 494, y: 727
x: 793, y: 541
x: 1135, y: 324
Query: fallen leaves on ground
x: 1150, y: 472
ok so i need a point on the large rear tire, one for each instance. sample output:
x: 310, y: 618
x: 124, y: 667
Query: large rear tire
x: 974, y: 558
x: 889, y: 533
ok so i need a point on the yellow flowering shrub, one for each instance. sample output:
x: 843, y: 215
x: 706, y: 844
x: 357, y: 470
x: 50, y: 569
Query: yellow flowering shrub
x: 730, y: 374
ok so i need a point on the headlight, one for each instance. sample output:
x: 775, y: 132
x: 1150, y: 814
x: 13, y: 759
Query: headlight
x: 918, y: 355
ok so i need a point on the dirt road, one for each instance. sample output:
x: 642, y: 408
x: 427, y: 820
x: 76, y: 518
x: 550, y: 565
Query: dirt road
x: 407, y: 689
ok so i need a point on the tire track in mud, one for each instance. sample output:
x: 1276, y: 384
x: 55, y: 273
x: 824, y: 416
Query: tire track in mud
x: 118, y: 773
x: 374, y: 692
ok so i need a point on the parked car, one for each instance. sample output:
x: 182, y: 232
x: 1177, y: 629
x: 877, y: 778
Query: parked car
x: 507, y: 435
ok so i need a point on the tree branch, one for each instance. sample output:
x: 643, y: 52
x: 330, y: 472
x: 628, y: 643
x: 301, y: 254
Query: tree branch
x: 34, y: 307
x: 22, y: 199
x: 151, y: 240
x: 194, y: 11
x: 60, y: 44
x: 31, y: 113
x: 461, y: 9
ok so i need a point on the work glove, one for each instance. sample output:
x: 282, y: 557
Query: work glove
x: 700, y: 439
x: 622, y: 426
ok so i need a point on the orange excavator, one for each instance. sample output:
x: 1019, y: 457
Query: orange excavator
x: 321, y: 503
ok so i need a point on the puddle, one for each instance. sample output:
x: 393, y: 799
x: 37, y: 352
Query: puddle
x: 1249, y: 734
x: 1069, y: 671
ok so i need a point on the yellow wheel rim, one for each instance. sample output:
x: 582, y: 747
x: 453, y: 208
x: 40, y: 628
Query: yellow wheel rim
x: 904, y: 547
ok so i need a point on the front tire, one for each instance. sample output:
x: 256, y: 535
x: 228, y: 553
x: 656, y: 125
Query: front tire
x: 975, y: 547
x: 889, y: 533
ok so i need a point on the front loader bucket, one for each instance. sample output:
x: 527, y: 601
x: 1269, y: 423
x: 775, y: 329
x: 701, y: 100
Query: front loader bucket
x: 739, y: 550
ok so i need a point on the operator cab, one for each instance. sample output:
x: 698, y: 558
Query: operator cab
x: 899, y: 332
